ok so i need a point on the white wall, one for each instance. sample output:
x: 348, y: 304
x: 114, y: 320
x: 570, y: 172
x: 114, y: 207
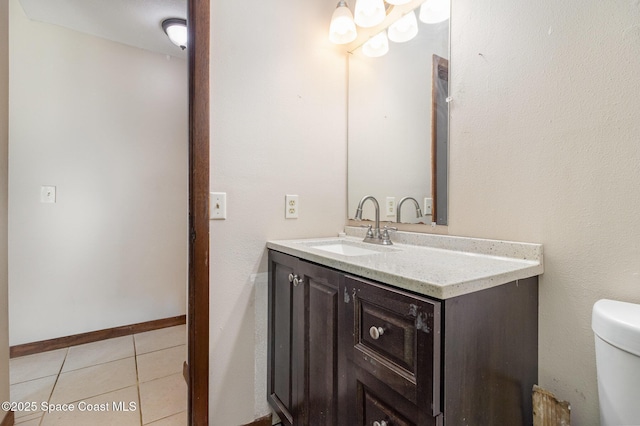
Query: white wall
x: 278, y: 91
x: 544, y: 148
x: 4, y: 143
x: 107, y: 125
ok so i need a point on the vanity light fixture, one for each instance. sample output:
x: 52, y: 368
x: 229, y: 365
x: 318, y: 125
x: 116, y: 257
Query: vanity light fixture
x: 369, y: 13
x: 376, y: 46
x: 435, y: 11
x: 342, y: 29
x: 176, y: 30
x: 404, y: 29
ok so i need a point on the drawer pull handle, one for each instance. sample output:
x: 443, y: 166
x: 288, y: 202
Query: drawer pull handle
x: 375, y: 333
x: 381, y: 423
x: 291, y: 276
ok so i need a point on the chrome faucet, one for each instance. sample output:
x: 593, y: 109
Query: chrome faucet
x: 418, y: 211
x: 375, y: 235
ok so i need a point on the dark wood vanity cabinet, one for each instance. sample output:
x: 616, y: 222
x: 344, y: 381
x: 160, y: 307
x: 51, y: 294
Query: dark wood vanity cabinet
x: 344, y: 350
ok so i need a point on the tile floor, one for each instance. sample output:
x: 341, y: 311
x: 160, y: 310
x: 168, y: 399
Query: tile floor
x: 141, y: 373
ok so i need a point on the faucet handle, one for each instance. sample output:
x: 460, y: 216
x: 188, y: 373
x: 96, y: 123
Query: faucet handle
x: 369, y: 230
x: 386, y: 240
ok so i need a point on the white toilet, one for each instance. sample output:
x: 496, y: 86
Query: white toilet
x: 617, y: 329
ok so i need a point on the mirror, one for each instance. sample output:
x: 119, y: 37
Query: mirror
x: 398, y: 127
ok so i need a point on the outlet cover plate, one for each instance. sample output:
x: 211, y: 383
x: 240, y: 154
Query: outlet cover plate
x: 291, y: 206
x: 390, y: 206
x: 428, y: 206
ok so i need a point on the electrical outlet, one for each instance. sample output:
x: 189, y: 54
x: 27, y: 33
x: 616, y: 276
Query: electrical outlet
x: 48, y: 194
x: 391, y: 206
x: 291, y: 206
x: 218, y: 205
x: 428, y: 206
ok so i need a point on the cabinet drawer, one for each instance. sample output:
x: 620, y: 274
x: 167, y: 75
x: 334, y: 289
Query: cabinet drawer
x: 376, y: 402
x: 375, y: 409
x: 395, y: 337
x: 389, y: 334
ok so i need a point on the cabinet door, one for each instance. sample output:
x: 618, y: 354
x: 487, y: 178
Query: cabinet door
x: 303, y: 359
x: 323, y: 363
x: 286, y: 340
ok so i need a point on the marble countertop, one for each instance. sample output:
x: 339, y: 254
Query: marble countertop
x: 439, y: 266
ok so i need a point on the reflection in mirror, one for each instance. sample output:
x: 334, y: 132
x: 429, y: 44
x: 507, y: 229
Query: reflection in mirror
x: 398, y: 127
x: 439, y: 138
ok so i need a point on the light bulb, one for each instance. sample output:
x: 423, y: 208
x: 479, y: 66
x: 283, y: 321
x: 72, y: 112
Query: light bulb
x: 370, y: 13
x: 404, y: 29
x: 377, y: 45
x: 397, y: 2
x: 434, y: 11
x: 342, y: 29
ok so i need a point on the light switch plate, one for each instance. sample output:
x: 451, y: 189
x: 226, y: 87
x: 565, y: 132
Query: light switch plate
x: 291, y: 206
x: 48, y: 194
x: 218, y: 205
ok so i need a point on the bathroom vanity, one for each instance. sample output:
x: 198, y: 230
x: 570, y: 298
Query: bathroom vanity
x: 441, y: 331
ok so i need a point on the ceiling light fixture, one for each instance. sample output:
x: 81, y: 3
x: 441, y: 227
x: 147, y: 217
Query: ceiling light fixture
x: 176, y: 30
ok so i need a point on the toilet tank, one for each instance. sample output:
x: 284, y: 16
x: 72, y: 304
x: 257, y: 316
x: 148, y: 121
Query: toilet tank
x: 617, y: 333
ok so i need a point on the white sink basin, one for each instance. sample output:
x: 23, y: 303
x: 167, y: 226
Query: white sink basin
x: 346, y: 249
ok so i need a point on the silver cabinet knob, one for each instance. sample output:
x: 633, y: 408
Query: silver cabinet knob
x: 380, y: 423
x: 375, y: 333
x: 293, y: 278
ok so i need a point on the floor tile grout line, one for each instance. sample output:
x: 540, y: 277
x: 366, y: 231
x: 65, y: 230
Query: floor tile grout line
x: 161, y: 349
x: 135, y: 353
x: 95, y: 365
x: 160, y: 377
x: 55, y: 384
x: 162, y: 418
x: 163, y: 377
x: 33, y: 380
